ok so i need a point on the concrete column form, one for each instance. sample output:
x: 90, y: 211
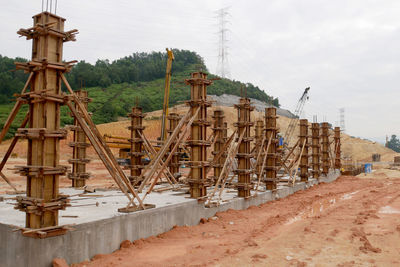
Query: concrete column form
x: 244, y: 170
x: 259, y: 135
x: 271, y: 132
x: 136, y: 153
x: 316, y: 147
x: 304, y: 156
x: 43, y: 201
x: 220, y: 140
x: 325, y: 147
x: 337, y: 149
x: 173, y: 165
x: 198, y: 143
x: 78, y: 175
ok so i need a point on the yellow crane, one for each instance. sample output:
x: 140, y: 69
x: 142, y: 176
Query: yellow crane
x: 171, y: 58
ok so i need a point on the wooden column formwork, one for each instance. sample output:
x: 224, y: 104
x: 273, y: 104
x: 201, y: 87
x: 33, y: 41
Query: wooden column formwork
x: 136, y: 128
x: 271, y: 132
x: 43, y: 201
x: 244, y: 170
x: 316, y: 148
x: 325, y: 147
x: 78, y: 175
x: 220, y: 139
x: 259, y: 136
x: 198, y: 143
x: 173, y: 165
x: 304, y: 156
x: 338, y: 152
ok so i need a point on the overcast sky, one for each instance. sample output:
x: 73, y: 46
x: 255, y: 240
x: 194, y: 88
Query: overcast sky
x: 347, y: 51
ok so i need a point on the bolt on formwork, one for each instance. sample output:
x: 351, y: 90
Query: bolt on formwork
x: 173, y: 165
x: 338, y: 151
x: 304, y: 155
x: 79, y: 175
x: 244, y: 170
x: 220, y: 139
x: 325, y: 147
x: 315, y: 147
x: 197, y: 179
x: 136, y: 128
x: 271, y: 132
x: 43, y: 201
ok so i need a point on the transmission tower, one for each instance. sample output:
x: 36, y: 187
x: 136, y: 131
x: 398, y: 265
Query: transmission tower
x: 342, y: 124
x: 222, y: 64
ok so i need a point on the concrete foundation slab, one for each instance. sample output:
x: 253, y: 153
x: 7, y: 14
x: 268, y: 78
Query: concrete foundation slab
x: 101, y: 228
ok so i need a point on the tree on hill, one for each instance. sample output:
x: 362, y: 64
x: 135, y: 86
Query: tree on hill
x: 394, y: 143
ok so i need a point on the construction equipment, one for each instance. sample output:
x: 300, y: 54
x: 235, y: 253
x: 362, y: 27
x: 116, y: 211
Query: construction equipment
x: 171, y: 58
x: 292, y: 124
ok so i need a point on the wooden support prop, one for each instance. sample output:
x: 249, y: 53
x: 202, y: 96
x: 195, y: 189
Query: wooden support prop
x: 165, y: 164
x: 263, y: 164
x: 226, y: 168
x: 297, y: 165
x: 161, y: 153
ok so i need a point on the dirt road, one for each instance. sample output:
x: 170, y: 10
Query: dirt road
x: 350, y: 222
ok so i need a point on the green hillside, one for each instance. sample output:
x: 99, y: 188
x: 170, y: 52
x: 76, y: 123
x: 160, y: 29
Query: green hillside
x: 114, y: 87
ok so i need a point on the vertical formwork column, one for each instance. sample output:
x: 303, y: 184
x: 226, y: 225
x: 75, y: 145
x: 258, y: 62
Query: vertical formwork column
x: 315, y: 145
x: 338, y: 151
x: 42, y: 201
x: 243, y: 156
x: 271, y: 133
x: 136, y: 141
x: 304, y: 156
x: 173, y: 164
x: 218, y: 129
x: 197, y: 179
x: 325, y: 148
x: 259, y: 134
x: 78, y: 175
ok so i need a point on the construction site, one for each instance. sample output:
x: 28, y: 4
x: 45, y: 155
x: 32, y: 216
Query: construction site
x: 201, y: 183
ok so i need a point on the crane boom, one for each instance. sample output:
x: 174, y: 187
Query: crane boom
x: 292, y: 124
x: 171, y: 58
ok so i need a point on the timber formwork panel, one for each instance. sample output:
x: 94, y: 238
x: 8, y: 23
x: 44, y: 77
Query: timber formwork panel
x: 136, y: 153
x: 78, y: 175
x: 337, y: 150
x: 198, y: 143
x: 244, y: 170
x: 271, y: 132
x: 42, y: 201
x: 173, y: 165
x: 316, y: 148
x: 304, y: 156
x: 325, y: 147
x: 220, y: 140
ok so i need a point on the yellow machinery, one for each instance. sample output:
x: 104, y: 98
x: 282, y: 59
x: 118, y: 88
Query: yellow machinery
x: 164, y: 118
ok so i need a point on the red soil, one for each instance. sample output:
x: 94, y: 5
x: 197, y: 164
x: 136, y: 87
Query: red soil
x: 350, y: 222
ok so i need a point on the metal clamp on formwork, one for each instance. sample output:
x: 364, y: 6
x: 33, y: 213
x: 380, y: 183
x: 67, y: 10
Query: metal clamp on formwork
x: 78, y: 144
x: 79, y: 176
x: 40, y: 133
x: 40, y: 171
x: 200, y: 102
x: 38, y: 206
x: 79, y: 161
x: 198, y: 143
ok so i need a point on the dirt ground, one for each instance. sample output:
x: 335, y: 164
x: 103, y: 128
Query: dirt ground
x: 354, y: 221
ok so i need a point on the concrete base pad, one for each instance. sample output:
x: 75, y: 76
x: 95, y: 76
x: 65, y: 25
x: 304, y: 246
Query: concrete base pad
x: 100, y: 228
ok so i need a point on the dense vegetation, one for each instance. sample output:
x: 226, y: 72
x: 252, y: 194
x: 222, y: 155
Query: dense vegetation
x: 394, y: 143
x: 115, y: 86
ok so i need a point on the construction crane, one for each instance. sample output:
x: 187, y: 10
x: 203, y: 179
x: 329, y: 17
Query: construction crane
x: 164, y: 118
x: 292, y: 124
